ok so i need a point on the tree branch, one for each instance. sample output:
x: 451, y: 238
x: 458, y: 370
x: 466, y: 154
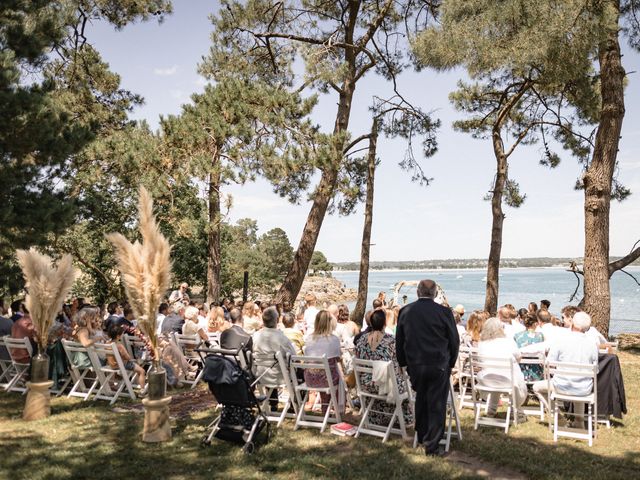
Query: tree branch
x: 626, y: 260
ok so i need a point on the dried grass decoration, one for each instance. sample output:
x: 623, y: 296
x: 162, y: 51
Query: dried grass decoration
x: 47, y: 287
x: 145, y: 268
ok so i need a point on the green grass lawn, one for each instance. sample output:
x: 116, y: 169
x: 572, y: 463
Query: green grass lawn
x: 90, y: 440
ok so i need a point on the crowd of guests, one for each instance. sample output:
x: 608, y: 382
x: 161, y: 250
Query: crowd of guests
x: 315, y: 330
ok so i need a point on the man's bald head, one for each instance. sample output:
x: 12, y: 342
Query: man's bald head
x: 427, y: 289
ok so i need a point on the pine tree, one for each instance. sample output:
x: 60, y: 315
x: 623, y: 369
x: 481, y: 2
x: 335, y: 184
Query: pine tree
x: 531, y: 79
x: 339, y: 43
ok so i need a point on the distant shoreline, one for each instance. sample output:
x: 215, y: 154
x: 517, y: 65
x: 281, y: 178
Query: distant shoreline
x: 458, y: 269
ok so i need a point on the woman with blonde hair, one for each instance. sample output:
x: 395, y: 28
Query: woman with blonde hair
x: 474, y: 327
x: 252, y: 322
x: 323, y: 342
x: 191, y: 326
x: 83, y: 333
x: 216, y: 320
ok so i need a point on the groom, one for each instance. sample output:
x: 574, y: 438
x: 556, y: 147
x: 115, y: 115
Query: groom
x: 427, y: 343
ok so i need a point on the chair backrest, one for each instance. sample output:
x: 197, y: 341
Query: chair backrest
x: 366, y: 367
x: 609, y: 347
x: 214, y: 338
x: 187, y: 341
x: 270, y: 362
x: 301, y: 362
x: 133, y: 342
x: 104, y: 349
x: 71, y: 347
x: 13, y: 344
x: 532, y: 358
x: 573, y: 370
x: 499, y: 365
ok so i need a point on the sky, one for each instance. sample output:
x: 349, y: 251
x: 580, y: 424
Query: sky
x: 448, y: 218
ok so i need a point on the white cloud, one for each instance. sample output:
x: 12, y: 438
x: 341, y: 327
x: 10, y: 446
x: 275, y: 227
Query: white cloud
x: 165, y: 72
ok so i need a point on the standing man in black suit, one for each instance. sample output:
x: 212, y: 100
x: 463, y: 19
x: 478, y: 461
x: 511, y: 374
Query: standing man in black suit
x: 235, y: 337
x: 427, y: 343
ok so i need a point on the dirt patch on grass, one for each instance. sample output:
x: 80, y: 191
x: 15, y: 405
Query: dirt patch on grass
x: 484, y: 469
x: 182, y: 404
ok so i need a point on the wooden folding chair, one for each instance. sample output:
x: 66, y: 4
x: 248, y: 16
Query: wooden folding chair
x: 590, y: 401
x: 368, y: 399
x: 113, y: 381
x: 18, y: 371
x: 505, y: 366
x: 304, y: 419
x: 262, y: 363
x: 80, y: 375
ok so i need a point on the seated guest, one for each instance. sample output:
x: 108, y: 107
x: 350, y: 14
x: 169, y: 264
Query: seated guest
x: 83, y: 334
x: 552, y: 333
x: 533, y: 307
x: 18, y: 309
x: 5, y: 329
x: 191, y: 326
x: 235, y: 338
x: 522, y: 313
x: 474, y: 326
x: 493, y: 343
x: 509, y: 323
x: 323, y: 342
x: 203, y: 320
x: 531, y: 373
x: 310, y: 312
x: 375, y: 344
x: 163, y: 310
x: 390, y: 327
x: 115, y: 334
x: 545, y: 305
x: 352, y: 327
x: 459, y: 326
x: 569, y: 312
x: 23, y: 327
x: 217, y: 320
x: 293, y: 334
x: 269, y: 340
x: 252, y: 322
x: 175, y: 320
x: 576, y: 348
x: 115, y: 313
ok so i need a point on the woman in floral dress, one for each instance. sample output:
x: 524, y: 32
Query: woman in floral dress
x: 374, y: 344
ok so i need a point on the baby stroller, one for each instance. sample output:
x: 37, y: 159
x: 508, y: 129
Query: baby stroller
x: 240, y: 419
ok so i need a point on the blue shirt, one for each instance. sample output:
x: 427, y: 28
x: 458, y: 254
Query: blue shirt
x: 574, y: 348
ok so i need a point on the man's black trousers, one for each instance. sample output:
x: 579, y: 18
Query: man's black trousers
x: 432, y: 388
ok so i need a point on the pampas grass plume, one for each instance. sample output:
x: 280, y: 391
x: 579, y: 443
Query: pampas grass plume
x: 47, y: 286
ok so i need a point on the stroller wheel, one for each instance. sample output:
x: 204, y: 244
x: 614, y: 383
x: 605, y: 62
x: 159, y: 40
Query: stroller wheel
x: 249, y: 448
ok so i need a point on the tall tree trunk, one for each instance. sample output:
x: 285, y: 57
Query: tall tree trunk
x: 363, y: 278
x: 292, y: 283
x: 213, y: 250
x: 493, y: 265
x: 598, y: 179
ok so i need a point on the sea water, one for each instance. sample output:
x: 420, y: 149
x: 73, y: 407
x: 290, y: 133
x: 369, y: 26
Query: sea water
x: 518, y: 286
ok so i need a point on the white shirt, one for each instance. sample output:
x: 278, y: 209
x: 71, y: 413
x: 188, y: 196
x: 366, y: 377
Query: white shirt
x: 500, y: 348
x: 576, y: 348
x: 159, y: 320
x: 310, y: 318
x: 328, y: 345
x: 596, y: 336
x: 553, y: 334
x: 270, y: 341
x: 203, y: 323
x: 510, y: 329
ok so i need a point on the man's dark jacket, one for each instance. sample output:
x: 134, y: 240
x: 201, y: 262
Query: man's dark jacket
x: 426, y: 334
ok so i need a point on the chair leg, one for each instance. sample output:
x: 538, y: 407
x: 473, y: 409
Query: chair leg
x: 555, y: 422
x: 365, y: 415
x: 590, y: 425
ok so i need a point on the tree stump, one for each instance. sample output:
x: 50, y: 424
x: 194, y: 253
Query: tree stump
x: 38, y: 404
x: 157, y: 427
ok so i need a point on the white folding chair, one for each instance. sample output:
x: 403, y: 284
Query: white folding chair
x: 590, y: 401
x: 368, y: 399
x: 113, y: 381
x: 214, y: 339
x: 188, y: 344
x: 504, y: 366
x: 80, y: 375
x: 18, y: 370
x: 533, y: 359
x: 263, y: 363
x: 137, y: 348
x: 332, y: 414
x: 465, y: 397
x: 5, y: 365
